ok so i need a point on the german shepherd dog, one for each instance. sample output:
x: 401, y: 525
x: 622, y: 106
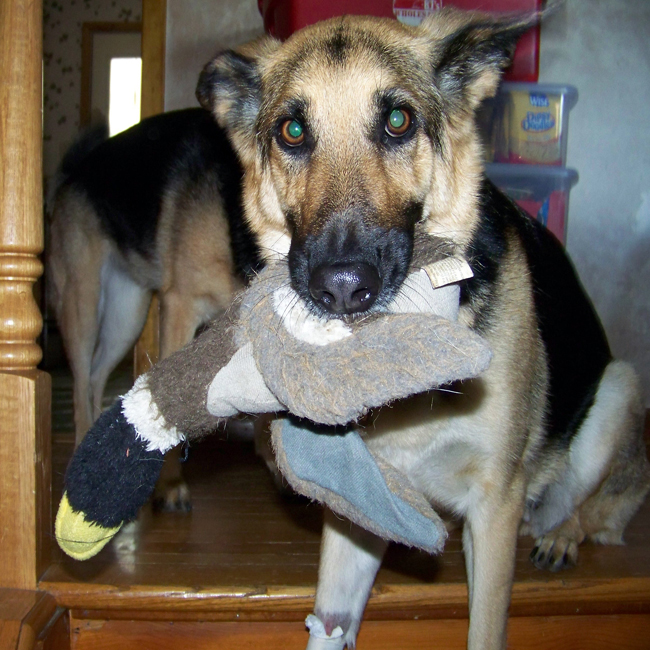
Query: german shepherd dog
x: 352, y: 132
x: 155, y: 208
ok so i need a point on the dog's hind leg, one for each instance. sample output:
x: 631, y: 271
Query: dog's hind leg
x: 77, y: 252
x: 179, y: 320
x: 77, y: 318
x: 122, y: 310
x: 199, y: 284
x: 349, y: 561
x: 606, y: 478
x: 182, y: 312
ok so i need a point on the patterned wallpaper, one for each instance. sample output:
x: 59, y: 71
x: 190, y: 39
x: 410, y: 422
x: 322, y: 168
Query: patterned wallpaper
x: 62, y: 21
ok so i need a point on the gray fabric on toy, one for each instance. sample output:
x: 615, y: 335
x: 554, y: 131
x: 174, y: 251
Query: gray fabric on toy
x: 337, y: 469
x: 332, y: 373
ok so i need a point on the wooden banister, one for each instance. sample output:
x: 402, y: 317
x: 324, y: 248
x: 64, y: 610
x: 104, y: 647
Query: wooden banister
x: 24, y: 391
x: 20, y: 318
x: 21, y: 223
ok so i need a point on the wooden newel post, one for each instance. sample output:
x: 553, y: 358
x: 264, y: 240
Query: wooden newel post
x: 24, y: 391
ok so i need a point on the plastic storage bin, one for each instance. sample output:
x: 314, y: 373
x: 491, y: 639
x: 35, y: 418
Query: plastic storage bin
x: 528, y: 123
x: 283, y: 17
x: 542, y: 191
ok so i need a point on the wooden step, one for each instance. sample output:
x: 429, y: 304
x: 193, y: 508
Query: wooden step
x: 243, y: 565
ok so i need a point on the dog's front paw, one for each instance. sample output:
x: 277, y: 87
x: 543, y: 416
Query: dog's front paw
x: 554, y: 553
x: 172, y: 497
x: 558, y: 549
x: 171, y: 493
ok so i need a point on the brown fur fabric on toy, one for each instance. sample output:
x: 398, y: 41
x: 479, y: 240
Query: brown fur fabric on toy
x: 270, y: 353
x: 376, y: 360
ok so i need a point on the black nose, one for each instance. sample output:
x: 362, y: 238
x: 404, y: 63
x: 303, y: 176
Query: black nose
x: 345, y: 288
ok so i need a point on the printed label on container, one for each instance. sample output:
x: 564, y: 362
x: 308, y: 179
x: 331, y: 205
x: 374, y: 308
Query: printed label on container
x: 538, y: 122
x: 535, y: 128
x: 413, y: 12
x: 539, y: 100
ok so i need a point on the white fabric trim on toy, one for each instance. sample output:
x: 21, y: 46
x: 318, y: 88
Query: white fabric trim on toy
x: 319, y: 639
x: 141, y: 411
x: 301, y: 323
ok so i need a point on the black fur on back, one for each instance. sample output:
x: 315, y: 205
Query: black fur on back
x: 126, y: 177
x: 75, y: 156
x: 575, y: 342
x: 88, y: 140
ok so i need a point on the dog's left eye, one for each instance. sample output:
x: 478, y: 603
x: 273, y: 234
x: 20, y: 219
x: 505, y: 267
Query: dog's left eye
x: 292, y: 133
x: 398, y: 122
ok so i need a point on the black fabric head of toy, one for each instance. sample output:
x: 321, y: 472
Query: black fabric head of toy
x: 112, y: 475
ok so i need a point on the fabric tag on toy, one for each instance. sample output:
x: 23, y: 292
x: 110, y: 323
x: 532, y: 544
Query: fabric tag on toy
x: 419, y: 295
x: 448, y: 270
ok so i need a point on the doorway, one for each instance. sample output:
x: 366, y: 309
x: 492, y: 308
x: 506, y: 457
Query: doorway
x: 111, y: 68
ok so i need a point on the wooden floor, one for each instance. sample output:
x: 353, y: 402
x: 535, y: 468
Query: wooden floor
x: 247, y: 552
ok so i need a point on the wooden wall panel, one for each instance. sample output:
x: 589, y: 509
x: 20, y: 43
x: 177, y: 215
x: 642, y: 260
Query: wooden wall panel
x: 154, y: 26
x: 25, y: 618
x: 551, y: 633
x: 57, y: 636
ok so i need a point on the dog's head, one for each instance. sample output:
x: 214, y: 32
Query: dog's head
x: 353, y: 131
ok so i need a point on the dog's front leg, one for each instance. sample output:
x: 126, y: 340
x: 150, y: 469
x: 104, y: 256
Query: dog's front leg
x: 349, y: 561
x: 490, y: 543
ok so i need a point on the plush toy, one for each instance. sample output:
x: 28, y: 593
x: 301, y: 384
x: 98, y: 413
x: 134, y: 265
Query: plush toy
x: 270, y: 353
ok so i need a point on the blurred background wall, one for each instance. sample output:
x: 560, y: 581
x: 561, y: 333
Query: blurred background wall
x: 603, y: 48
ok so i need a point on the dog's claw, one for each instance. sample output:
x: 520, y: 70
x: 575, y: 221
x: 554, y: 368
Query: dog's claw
x: 554, y: 553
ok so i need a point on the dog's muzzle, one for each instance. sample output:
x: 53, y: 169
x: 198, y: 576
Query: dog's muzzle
x: 345, y: 288
x: 349, y: 264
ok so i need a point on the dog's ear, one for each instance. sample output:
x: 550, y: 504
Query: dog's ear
x: 471, y: 51
x: 230, y: 87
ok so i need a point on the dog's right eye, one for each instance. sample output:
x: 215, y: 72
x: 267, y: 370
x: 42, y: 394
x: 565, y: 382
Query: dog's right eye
x: 292, y: 133
x: 398, y: 122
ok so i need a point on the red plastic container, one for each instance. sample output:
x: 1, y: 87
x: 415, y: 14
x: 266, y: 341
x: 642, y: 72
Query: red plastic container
x: 283, y: 17
x: 542, y: 191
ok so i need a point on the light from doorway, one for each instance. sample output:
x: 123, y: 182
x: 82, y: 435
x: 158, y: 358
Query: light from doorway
x: 124, y: 93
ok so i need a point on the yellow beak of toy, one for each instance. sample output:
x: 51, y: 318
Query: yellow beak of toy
x: 77, y: 537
